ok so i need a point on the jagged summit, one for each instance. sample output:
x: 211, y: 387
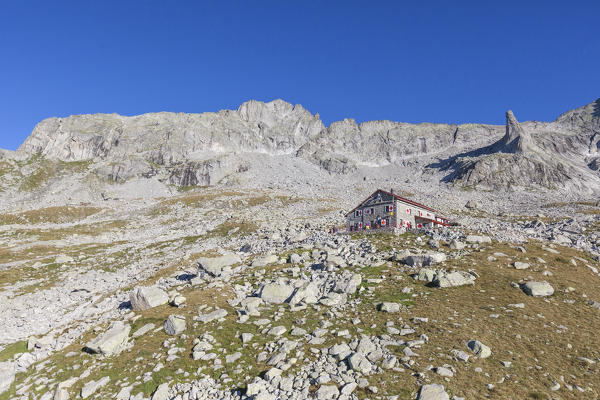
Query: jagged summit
x: 585, y: 116
x: 515, y: 140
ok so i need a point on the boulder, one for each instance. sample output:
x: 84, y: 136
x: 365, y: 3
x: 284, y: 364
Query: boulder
x: 425, y: 274
x: 348, y: 284
x: 265, y: 260
x: 359, y: 363
x: 7, y: 375
x: 143, y: 330
x: 161, y: 392
x: 251, y: 304
x: 178, y: 300
x: 365, y: 346
x: 333, y: 299
x: 214, y: 265
x: 472, y: 205
x: 175, y: 324
x: 457, y: 245
x: 389, y: 307
x: 60, y: 394
x: 217, y: 314
x: 277, y: 331
x: 294, y: 258
x: 479, y: 348
x: 143, y: 298
x: 562, y: 239
x: 458, y: 278
x: 479, y: 239
x: 423, y: 260
x: 326, y: 392
x: 255, y: 387
x: 433, y: 392
x: 308, y: 293
x: 340, y: 351
x: 92, y: 386
x: 299, y: 237
x: 335, y: 261
x: 520, y: 265
x: 276, y: 293
x: 538, y: 289
x: 112, y: 341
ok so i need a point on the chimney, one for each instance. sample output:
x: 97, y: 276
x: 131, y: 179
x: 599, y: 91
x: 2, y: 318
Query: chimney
x: 392, y: 191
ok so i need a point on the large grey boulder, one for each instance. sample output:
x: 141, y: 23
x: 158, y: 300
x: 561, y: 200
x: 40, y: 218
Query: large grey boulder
x: 333, y: 299
x: 265, y: 260
x: 458, y: 278
x: 433, y: 392
x: 92, y: 386
x: 425, y: 274
x: 175, y: 324
x: 480, y: 349
x: 276, y: 293
x: 359, y: 363
x: 348, y: 284
x: 7, y: 375
x: 422, y: 260
x: 161, y: 392
x: 60, y: 393
x: 472, y: 205
x: 299, y: 237
x: 112, y: 341
x: 308, y: 293
x: 479, y: 239
x: 538, y: 289
x: 456, y: 245
x: 217, y: 314
x: 327, y: 392
x: 143, y: 298
x: 520, y: 265
x: 389, y: 307
x: 215, y: 265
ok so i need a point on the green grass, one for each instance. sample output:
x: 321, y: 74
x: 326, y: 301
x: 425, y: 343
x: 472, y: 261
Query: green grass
x: 15, y: 348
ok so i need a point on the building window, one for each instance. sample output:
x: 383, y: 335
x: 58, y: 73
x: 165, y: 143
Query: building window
x: 389, y: 209
x: 358, y: 213
x: 408, y: 210
x: 372, y: 211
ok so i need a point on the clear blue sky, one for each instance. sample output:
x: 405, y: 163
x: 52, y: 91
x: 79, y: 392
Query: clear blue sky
x: 412, y: 61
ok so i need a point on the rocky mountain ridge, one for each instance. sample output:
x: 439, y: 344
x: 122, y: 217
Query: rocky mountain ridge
x: 204, y: 149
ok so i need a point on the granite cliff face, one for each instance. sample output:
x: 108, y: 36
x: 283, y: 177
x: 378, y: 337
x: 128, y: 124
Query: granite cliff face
x: 203, y: 149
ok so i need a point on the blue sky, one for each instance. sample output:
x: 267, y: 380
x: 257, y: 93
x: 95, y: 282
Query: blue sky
x: 441, y: 61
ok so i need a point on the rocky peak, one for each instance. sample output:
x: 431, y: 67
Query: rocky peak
x: 258, y: 111
x: 586, y: 117
x: 515, y: 140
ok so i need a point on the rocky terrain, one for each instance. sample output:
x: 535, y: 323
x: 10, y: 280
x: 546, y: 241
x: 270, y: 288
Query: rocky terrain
x: 189, y: 256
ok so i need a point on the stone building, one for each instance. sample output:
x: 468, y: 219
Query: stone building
x: 388, y: 210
